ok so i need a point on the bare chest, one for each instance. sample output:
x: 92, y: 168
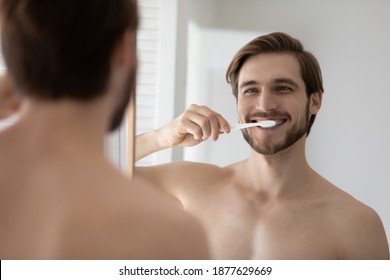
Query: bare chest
x: 239, y: 228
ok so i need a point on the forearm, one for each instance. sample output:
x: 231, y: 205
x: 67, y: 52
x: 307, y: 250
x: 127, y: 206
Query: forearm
x: 147, y: 143
x: 195, y: 125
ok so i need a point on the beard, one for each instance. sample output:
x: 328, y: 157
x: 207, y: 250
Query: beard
x: 120, y: 111
x: 293, y: 135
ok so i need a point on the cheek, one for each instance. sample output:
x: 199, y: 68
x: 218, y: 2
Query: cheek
x: 242, y: 110
x: 301, y: 106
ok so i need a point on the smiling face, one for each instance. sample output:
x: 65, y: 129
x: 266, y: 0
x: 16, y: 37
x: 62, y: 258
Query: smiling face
x: 271, y: 88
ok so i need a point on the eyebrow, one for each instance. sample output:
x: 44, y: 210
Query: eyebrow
x: 248, y: 83
x: 285, y: 81
x: 275, y: 81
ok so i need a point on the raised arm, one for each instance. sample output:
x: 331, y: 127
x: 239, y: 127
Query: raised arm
x: 196, y: 124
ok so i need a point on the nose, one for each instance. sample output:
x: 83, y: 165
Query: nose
x: 266, y: 101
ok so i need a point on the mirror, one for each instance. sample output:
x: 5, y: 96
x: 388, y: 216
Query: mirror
x: 348, y: 144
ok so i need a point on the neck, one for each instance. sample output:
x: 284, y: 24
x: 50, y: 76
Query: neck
x: 65, y: 126
x: 284, y: 173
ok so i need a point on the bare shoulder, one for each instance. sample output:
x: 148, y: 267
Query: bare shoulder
x: 367, y: 238
x: 358, y: 226
x: 172, y: 232
x: 183, y: 176
x: 137, y: 222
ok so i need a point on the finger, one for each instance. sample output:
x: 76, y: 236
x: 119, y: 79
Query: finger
x: 203, y: 123
x: 189, y: 127
x: 213, y: 120
x: 214, y: 128
x: 217, y: 122
x: 202, y: 116
x: 211, y: 116
x: 223, y: 124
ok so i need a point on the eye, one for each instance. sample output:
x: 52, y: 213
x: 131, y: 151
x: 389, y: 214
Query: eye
x: 283, y: 89
x: 251, y: 91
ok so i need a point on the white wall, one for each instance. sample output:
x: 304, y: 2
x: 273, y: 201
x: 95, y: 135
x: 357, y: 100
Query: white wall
x: 351, y: 39
x: 206, y: 85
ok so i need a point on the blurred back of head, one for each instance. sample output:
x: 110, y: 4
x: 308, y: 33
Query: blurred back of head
x: 62, y: 49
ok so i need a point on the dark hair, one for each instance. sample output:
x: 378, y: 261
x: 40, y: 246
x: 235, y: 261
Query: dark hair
x: 62, y: 48
x: 279, y: 42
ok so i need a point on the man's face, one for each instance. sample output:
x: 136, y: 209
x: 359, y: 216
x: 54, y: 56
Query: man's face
x: 270, y: 87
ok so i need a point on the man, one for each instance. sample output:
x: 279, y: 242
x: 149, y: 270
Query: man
x: 272, y: 205
x: 73, y: 62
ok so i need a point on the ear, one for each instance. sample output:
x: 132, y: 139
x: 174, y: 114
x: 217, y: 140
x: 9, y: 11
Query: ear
x: 125, y: 50
x: 315, y: 102
x: 9, y: 101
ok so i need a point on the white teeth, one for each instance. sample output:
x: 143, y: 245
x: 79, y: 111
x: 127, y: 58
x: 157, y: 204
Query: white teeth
x: 267, y: 123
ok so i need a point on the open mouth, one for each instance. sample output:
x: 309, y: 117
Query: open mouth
x: 269, y: 123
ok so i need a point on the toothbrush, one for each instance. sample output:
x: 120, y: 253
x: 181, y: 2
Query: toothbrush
x: 263, y: 124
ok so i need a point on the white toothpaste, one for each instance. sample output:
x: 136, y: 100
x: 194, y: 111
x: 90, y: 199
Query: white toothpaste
x: 263, y: 124
x: 267, y: 123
